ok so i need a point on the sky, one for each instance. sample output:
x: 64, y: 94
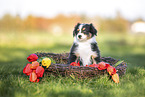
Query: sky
x: 129, y: 9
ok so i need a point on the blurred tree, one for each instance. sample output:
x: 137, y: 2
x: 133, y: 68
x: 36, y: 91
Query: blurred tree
x: 6, y: 23
x: 117, y: 24
x: 84, y: 18
x: 138, y: 20
x: 30, y: 23
x: 18, y: 23
x: 42, y: 24
x: 66, y: 23
x: 10, y: 23
x: 63, y: 22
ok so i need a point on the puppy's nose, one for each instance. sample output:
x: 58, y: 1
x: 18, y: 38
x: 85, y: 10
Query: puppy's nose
x: 79, y: 36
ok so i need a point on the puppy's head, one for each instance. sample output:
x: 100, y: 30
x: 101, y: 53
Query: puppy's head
x: 84, y: 31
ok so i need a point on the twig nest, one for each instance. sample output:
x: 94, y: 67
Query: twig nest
x: 62, y: 68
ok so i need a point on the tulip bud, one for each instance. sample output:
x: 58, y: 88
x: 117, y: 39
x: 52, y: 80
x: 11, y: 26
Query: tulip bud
x: 46, y: 62
x: 32, y: 57
x: 115, y: 78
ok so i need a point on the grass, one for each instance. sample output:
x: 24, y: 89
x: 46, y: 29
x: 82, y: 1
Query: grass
x: 14, y: 49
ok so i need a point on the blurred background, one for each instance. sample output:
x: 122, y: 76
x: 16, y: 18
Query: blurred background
x: 29, y: 26
x: 59, y: 17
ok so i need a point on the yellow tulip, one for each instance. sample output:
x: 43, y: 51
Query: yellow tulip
x: 115, y: 78
x: 46, y: 62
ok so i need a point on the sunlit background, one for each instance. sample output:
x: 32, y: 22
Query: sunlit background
x: 30, y: 26
x: 48, y: 25
x: 60, y: 17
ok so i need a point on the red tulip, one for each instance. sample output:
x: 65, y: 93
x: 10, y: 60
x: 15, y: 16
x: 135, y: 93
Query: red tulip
x: 78, y: 64
x: 102, y: 65
x: 32, y: 57
x: 115, y: 78
x: 27, y: 69
x: 39, y: 71
x: 33, y: 77
x: 34, y: 65
x: 38, y: 80
x: 75, y: 64
x: 111, y: 70
x: 93, y: 65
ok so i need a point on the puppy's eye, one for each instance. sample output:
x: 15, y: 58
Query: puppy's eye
x: 78, y: 29
x: 84, y: 29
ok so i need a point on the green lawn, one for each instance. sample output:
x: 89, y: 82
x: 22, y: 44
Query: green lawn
x: 14, y: 49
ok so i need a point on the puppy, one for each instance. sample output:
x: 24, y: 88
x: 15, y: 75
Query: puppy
x: 84, y: 47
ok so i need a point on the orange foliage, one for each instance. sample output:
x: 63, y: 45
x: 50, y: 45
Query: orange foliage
x: 61, y: 23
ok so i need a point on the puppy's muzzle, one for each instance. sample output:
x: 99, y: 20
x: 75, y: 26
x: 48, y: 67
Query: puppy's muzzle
x: 79, y: 36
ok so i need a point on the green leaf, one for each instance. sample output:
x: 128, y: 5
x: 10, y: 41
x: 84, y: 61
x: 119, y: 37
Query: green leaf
x: 40, y: 59
x: 52, y: 61
x: 119, y: 62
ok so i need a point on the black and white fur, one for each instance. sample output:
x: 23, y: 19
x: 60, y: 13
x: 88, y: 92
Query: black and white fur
x: 84, y: 45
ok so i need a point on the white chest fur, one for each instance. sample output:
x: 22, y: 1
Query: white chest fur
x: 84, y: 51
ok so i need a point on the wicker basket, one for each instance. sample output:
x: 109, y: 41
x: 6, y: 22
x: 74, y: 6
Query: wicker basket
x: 62, y: 68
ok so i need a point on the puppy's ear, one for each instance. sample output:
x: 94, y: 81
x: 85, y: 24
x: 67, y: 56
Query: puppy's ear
x: 75, y: 29
x: 93, y: 30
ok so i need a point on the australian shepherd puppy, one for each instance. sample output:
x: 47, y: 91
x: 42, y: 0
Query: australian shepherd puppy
x: 84, y: 47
